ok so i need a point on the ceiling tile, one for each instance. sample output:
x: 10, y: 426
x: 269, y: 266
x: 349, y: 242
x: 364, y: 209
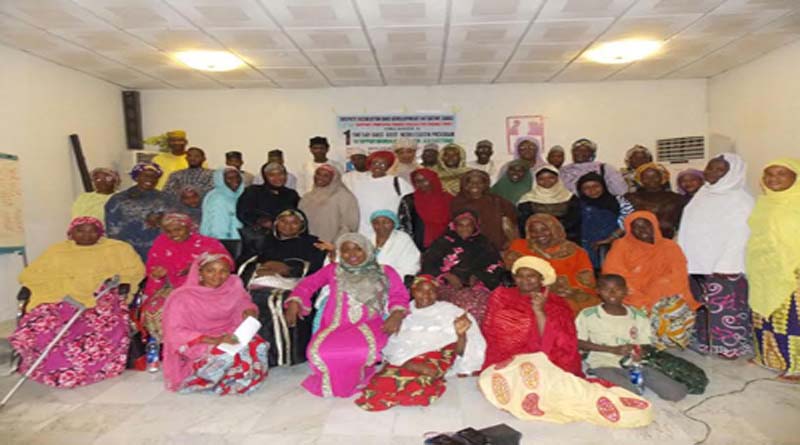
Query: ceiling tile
x: 653, y: 28
x: 408, y: 37
x: 576, y: 9
x: 478, y: 54
x: 378, y: 13
x: 317, y: 13
x: 493, y: 34
x: 245, y: 84
x: 566, y: 31
x: 141, y: 14
x: 299, y: 74
x: 329, y: 38
x: 351, y: 72
x: 252, y: 38
x: 546, y: 69
x: 343, y: 58
x: 411, y: 72
x: 177, y: 40
x: 409, y: 56
x: 491, y: 11
x: 488, y: 71
x: 731, y: 24
x: 672, y: 7
x: 274, y: 59
x: 585, y: 72
x: 561, y: 52
x: 222, y: 13
x: 52, y: 14
x: 356, y: 82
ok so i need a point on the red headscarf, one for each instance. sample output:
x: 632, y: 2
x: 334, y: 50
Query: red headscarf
x: 383, y: 154
x: 432, y: 206
x: 81, y: 220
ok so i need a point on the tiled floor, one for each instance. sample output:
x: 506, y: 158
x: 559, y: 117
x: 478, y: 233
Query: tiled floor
x: 134, y: 409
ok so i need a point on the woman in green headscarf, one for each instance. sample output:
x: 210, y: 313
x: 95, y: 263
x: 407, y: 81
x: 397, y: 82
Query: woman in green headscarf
x: 515, y: 182
x: 773, y: 269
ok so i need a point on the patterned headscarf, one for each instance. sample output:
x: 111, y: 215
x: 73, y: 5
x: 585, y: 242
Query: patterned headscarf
x: 208, y: 258
x: 469, y: 214
x: 179, y: 218
x: 637, y: 176
x: 106, y: 171
x: 144, y: 166
x: 81, y: 220
x: 365, y: 283
x: 586, y: 143
x: 637, y: 149
x: 425, y: 278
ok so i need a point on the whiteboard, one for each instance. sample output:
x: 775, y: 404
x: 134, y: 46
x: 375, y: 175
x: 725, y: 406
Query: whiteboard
x: 12, y: 233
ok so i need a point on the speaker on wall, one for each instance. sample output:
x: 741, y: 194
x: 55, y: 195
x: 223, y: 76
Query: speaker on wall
x: 133, y: 119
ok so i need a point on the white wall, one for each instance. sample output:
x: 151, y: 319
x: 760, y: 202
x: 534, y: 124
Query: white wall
x: 757, y: 106
x: 616, y: 115
x: 40, y: 105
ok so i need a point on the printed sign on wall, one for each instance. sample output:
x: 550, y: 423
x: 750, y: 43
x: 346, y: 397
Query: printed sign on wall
x: 517, y: 126
x: 374, y: 132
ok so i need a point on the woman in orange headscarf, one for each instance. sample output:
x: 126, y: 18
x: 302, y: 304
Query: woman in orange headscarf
x: 545, y: 238
x: 655, y: 270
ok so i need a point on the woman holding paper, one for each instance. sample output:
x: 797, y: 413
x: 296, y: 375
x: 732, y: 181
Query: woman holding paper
x: 201, y: 352
x: 367, y: 303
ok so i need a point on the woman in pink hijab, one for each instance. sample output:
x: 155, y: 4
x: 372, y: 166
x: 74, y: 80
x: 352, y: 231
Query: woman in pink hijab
x: 199, y: 316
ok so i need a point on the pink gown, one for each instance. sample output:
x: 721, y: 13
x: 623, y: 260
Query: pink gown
x: 343, y: 352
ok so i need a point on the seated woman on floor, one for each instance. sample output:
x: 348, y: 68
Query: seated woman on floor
x: 199, y: 316
x: 168, y: 264
x: 529, y: 318
x: 466, y: 264
x: 367, y: 303
x: 545, y: 238
x: 394, y: 247
x: 658, y: 282
x: 436, y: 337
x: 286, y: 256
x: 77, y: 267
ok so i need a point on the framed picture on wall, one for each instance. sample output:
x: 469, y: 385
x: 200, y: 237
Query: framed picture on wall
x: 519, y: 126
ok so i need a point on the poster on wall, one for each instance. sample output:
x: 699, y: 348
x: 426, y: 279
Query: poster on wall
x: 378, y: 131
x: 12, y: 235
x: 517, y: 126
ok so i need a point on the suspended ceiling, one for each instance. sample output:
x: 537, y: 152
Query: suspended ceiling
x: 337, y: 43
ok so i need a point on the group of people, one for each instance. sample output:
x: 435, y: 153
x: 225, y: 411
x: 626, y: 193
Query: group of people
x: 404, y: 267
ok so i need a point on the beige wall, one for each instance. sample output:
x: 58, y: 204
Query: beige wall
x: 615, y: 114
x: 757, y: 106
x: 40, y: 105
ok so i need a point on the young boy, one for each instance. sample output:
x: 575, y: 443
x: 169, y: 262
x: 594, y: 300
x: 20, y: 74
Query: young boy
x: 609, y: 331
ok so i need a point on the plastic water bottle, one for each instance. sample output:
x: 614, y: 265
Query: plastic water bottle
x: 151, y: 353
x: 635, y: 372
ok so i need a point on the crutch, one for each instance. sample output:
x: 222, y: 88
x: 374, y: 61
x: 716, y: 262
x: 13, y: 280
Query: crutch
x: 112, y: 284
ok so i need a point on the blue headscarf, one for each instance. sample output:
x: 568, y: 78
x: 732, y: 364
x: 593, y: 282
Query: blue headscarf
x: 386, y: 214
x: 219, y: 208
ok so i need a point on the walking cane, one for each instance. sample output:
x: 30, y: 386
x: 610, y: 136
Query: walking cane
x: 112, y: 284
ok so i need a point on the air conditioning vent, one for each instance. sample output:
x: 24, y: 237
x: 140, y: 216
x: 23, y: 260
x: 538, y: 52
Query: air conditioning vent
x: 681, y: 150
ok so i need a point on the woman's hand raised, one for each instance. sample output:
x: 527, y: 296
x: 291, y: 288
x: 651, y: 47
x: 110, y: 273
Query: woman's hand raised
x: 292, y: 313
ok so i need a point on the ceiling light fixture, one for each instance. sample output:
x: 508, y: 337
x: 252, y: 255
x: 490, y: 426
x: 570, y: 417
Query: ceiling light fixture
x: 623, y: 51
x: 210, y: 60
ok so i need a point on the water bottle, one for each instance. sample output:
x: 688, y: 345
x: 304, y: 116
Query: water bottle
x: 151, y: 353
x: 635, y: 372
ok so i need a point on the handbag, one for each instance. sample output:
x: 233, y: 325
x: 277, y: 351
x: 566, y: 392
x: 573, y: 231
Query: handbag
x: 676, y: 368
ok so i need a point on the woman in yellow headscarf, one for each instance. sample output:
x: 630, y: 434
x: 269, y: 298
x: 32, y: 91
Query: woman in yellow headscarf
x: 773, y: 269
x: 451, y: 167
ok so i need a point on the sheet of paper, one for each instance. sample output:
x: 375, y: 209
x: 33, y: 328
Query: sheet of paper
x: 244, y: 333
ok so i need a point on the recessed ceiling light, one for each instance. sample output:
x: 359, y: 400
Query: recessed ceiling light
x: 623, y: 51
x: 210, y: 60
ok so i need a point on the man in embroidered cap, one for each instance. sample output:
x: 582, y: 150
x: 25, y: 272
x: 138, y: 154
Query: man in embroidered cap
x: 357, y: 167
x: 483, y: 153
x: 406, y: 162
x: 319, y: 147
x: 276, y: 156
x: 430, y: 155
x: 174, y: 160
